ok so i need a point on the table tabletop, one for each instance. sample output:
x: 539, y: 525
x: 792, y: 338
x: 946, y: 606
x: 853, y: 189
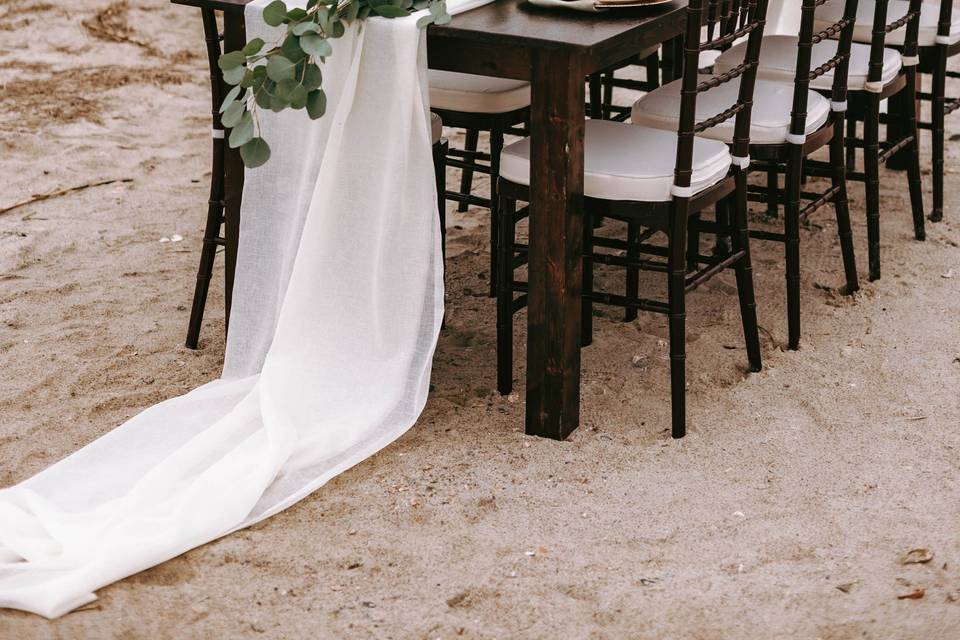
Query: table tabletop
x: 516, y: 23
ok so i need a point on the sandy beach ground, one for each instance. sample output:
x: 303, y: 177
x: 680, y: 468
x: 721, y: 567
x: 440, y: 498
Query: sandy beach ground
x: 786, y: 512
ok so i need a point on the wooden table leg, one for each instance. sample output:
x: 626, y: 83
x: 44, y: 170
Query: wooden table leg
x: 556, y: 232
x: 234, y: 38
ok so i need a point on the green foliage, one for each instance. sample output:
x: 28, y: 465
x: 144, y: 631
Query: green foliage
x: 287, y: 74
x: 255, y: 153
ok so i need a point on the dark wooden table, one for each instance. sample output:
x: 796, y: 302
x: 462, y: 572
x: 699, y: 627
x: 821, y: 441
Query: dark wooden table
x: 554, y: 50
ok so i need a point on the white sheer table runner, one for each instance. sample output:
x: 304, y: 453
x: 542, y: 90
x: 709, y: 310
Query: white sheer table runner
x: 338, y: 305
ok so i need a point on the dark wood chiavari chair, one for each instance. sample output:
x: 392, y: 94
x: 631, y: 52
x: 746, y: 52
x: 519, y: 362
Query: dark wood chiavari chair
x: 809, y: 60
x: 934, y: 55
x: 655, y: 180
x: 211, y: 234
x: 938, y: 39
x: 890, y: 76
x: 478, y: 104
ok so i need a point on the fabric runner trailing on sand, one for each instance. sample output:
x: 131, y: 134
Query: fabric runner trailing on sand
x: 337, y: 310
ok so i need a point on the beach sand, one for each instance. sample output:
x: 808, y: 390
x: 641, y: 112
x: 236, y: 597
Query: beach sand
x: 785, y: 513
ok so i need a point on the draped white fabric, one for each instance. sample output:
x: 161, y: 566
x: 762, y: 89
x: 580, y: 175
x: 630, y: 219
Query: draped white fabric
x: 337, y: 310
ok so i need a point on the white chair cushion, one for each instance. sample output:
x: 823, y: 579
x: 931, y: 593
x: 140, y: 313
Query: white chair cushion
x: 436, y: 128
x: 778, y: 61
x: 832, y: 11
x: 770, y: 120
x: 626, y: 162
x: 477, y: 94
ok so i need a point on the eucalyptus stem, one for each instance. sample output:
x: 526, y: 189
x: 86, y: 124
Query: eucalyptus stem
x: 287, y: 74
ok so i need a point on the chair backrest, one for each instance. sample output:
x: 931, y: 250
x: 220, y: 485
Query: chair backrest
x: 884, y: 24
x: 839, y: 62
x: 724, y: 22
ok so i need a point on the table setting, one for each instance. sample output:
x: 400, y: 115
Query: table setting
x: 335, y: 283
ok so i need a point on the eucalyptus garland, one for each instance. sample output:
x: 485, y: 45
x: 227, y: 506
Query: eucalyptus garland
x: 287, y: 74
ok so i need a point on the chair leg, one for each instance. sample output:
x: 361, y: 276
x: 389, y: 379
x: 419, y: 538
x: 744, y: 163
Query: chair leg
x: 633, y: 272
x: 773, y: 190
x: 676, y: 291
x: 939, y: 113
x: 848, y: 143
x: 466, y: 176
x: 496, y: 147
x: 586, y: 313
x: 693, y: 242
x: 607, y: 111
x: 440, y: 176
x: 913, y: 169
x: 740, y: 237
x: 652, y: 65
x: 721, y: 245
x: 507, y: 228
x: 791, y: 225
x: 871, y: 163
x: 596, y: 96
x: 841, y: 206
x: 215, y: 203
x: 208, y: 255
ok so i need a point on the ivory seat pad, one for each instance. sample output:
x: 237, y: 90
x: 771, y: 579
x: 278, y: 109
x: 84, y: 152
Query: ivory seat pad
x: 832, y: 12
x: 770, y: 123
x: 626, y: 162
x: 778, y: 61
x: 477, y: 94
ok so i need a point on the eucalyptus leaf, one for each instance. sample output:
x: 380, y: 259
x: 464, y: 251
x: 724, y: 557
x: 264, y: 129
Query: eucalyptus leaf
x: 316, y: 104
x: 253, y: 47
x: 255, y: 153
x: 234, y: 75
x: 243, y: 132
x: 312, y: 77
x: 247, y: 81
x: 337, y: 30
x: 263, y: 96
x: 280, y: 68
x: 291, y: 49
x: 304, y: 27
x: 232, y: 115
x: 316, y: 45
x: 275, y: 13
x: 231, y: 96
x: 296, y: 14
x: 285, y: 88
x: 322, y: 15
x: 298, y: 97
x: 231, y: 60
x: 350, y: 13
x: 278, y: 103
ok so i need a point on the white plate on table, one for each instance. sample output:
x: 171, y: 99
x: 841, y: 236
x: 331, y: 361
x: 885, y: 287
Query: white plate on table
x: 612, y: 4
